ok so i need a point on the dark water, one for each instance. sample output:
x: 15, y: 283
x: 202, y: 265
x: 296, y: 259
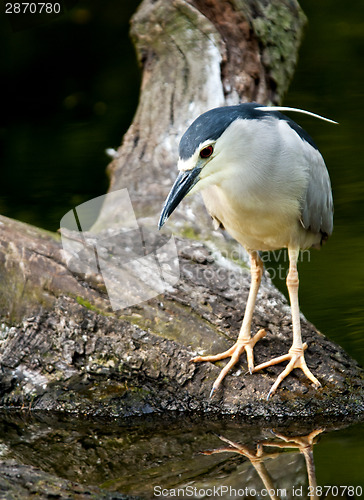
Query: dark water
x: 154, y: 456
x: 70, y: 88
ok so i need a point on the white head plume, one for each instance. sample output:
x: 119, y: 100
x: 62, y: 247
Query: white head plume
x: 296, y: 110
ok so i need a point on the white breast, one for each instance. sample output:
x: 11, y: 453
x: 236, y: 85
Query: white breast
x: 258, y: 199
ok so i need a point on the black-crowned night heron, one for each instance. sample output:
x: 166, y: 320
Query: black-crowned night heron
x: 263, y: 179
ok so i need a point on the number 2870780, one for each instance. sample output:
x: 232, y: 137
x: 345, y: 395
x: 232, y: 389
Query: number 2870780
x: 32, y: 8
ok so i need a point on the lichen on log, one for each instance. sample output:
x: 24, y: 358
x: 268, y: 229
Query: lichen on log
x: 71, y: 358
x: 64, y: 348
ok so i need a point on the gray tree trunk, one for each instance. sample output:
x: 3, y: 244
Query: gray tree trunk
x: 62, y: 344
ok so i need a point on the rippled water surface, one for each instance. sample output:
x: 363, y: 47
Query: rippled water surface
x: 233, y: 458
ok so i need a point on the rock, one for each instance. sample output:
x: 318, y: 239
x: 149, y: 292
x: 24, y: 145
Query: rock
x: 24, y: 481
x: 72, y: 358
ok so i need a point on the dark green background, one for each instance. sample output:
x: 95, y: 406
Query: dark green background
x: 70, y: 88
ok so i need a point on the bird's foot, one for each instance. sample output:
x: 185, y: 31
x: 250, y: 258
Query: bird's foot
x: 296, y: 359
x: 234, y: 352
x: 300, y: 442
x: 254, y: 456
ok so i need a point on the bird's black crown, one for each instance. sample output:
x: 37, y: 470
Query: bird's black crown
x: 212, y: 124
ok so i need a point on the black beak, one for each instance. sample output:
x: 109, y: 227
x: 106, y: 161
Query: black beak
x: 182, y: 185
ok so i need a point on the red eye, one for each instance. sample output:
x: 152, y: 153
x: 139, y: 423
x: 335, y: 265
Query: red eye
x: 206, y: 152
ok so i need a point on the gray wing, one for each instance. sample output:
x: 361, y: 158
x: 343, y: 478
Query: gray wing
x: 317, y: 207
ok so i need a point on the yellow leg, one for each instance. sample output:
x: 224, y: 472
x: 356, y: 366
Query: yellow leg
x: 244, y: 342
x: 256, y: 459
x: 295, y: 355
x: 305, y: 445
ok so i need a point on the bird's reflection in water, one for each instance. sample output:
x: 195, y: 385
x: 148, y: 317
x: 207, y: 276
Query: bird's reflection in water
x: 258, y: 456
x: 161, y: 457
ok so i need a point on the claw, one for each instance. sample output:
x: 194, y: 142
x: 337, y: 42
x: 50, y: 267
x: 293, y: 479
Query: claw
x: 296, y: 359
x: 234, y: 353
x: 270, y: 393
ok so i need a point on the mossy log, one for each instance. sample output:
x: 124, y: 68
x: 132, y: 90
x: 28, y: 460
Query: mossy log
x: 62, y: 345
